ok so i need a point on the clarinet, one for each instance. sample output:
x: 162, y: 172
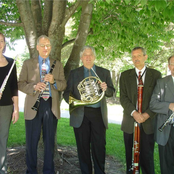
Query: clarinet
x: 36, y: 105
x: 166, y: 122
x: 7, y: 76
x: 136, y: 142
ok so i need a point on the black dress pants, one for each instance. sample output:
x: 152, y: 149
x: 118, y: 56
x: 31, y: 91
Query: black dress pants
x: 91, y: 138
x: 146, y: 152
x: 46, y: 121
x: 166, y: 154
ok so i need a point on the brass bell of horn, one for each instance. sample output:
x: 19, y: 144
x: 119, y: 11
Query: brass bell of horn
x: 90, y: 93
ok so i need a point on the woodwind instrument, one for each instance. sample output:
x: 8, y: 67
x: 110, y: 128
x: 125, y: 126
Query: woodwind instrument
x: 136, y: 143
x: 7, y: 76
x: 36, y: 105
x: 166, y: 122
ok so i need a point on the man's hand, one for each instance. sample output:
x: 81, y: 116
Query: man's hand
x: 138, y: 117
x: 103, y: 85
x: 171, y: 106
x: 40, y: 86
x: 49, y: 78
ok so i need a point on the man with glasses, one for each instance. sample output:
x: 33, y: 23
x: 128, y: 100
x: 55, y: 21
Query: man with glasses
x: 35, y: 79
x: 128, y: 98
x: 162, y: 102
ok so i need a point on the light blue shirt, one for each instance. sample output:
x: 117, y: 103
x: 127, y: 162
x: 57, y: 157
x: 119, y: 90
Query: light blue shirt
x: 86, y: 74
x: 47, y: 63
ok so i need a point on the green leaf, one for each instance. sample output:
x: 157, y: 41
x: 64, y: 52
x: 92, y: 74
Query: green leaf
x: 143, y: 3
x: 127, y: 1
x: 159, y: 5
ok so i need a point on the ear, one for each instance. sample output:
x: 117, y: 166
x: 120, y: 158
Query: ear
x: 146, y: 56
x: 37, y: 47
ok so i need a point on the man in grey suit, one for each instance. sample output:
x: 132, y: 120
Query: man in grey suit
x: 32, y: 81
x: 128, y: 99
x: 162, y: 102
x: 89, y: 121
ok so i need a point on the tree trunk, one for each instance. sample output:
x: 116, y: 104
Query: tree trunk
x: 73, y: 61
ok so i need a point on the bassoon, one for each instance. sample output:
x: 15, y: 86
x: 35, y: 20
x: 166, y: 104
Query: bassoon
x: 136, y: 141
x: 36, y: 105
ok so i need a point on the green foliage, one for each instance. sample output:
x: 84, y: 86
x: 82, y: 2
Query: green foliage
x: 9, y: 13
x: 116, y: 27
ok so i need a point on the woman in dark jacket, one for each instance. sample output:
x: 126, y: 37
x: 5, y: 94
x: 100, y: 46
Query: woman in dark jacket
x: 8, y: 100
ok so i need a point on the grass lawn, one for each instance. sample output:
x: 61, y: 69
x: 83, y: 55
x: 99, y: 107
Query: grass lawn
x: 65, y: 137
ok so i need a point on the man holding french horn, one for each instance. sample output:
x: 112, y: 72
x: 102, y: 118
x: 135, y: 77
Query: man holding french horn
x: 86, y: 92
x: 162, y: 102
x: 137, y: 114
x: 41, y: 78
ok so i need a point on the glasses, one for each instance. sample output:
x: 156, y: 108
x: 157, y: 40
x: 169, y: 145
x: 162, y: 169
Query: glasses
x: 43, y: 46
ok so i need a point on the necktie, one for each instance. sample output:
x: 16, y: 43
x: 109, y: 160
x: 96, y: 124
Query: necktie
x: 45, y: 94
x: 140, y: 81
x: 89, y: 72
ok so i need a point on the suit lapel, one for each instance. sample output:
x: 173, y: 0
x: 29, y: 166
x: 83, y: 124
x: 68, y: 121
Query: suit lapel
x: 35, y: 69
x: 170, y: 85
x: 132, y: 85
x: 99, y: 73
x: 80, y: 74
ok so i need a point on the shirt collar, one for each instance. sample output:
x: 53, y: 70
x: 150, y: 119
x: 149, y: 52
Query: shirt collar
x: 142, y: 70
x: 41, y: 59
x: 86, y: 69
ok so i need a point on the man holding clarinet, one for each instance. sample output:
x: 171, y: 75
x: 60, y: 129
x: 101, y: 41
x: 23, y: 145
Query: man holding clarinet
x: 136, y: 87
x: 162, y: 102
x: 41, y: 78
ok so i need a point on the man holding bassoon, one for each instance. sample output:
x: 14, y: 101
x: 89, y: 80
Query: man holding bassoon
x: 41, y: 78
x: 162, y: 102
x: 136, y: 87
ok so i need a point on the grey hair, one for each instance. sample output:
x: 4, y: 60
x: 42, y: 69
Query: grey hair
x: 87, y: 47
x: 141, y: 48
x: 169, y: 59
x: 42, y: 36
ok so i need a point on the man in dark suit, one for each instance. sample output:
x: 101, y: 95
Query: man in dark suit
x: 162, y: 102
x: 89, y: 121
x: 128, y: 99
x: 32, y: 81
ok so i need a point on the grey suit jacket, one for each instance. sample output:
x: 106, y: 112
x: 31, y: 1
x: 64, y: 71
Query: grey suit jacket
x: 163, y: 95
x: 128, y: 98
x: 77, y: 75
x: 30, y: 76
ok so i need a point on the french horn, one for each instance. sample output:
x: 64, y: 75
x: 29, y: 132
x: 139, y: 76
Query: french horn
x: 90, y: 92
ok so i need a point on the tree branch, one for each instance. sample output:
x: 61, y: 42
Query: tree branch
x: 11, y: 24
x: 69, y: 12
x: 47, y: 16
x: 37, y: 15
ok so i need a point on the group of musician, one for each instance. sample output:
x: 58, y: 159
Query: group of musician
x: 42, y: 76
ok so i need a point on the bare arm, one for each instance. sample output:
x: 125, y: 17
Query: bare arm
x: 15, y: 115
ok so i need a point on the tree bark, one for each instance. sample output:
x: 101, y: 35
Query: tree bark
x: 29, y: 25
x: 73, y: 61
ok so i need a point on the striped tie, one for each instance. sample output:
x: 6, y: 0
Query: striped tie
x: 46, y: 93
x: 140, y: 81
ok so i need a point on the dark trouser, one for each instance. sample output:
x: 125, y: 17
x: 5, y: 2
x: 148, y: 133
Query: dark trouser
x: 92, y: 133
x: 48, y: 122
x: 5, y: 119
x: 146, y: 152
x: 166, y: 154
